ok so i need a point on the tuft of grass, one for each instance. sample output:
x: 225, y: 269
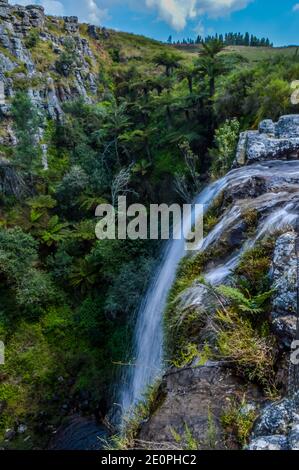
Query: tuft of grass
x: 251, y: 219
x: 238, y: 421
x: 186, y: 441
x: 144, y: 409
x: 43, y: 56
x: 253, y: 270
x: 251, y: 354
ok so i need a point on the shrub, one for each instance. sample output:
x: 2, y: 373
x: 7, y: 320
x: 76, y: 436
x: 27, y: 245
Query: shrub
x: 226, y: 140
x: 238, y: 342
x: 238, y: 419
x: 32, y: 39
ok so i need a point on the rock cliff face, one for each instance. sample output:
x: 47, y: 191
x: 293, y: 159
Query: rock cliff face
x: 31, y: 46
x: 257, y: 202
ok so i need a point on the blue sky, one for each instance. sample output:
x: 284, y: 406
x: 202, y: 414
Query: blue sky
x: 277, y: 19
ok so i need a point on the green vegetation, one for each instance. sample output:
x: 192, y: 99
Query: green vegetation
x: 238, y: 420
x: 187, y: 441
x: 161, y: 121
x: 236, y: 316
x: 136, y: 417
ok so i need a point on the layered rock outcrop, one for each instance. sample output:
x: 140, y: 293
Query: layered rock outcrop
x: 35, y: 70
x: 284, y: 275
x: 273, y: 141
x: 195, y: 399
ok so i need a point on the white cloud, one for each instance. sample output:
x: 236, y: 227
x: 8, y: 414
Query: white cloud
x: 218, y: 8
x: 178, y: 12
x: 174, y: 12
x: 199, y: 29
x: 296, y: 7
x: 87, y: 10
x: 94, y: 13
x: 52, y: 7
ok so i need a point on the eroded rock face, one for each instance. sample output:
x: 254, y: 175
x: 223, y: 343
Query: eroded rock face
x: 278, y: 427
x: 18, y: 65
x: 273, y: 141
x: 284, y: 275
x: 269, y: 443
x: 196, y: 398
x: 71, y: 24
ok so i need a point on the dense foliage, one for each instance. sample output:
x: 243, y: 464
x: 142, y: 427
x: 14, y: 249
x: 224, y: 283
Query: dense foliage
x: 229, y: 39
x: 164, y: 121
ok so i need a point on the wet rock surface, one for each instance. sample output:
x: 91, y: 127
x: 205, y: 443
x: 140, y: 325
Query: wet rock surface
x: 196, y: 397
x: 284, y: 275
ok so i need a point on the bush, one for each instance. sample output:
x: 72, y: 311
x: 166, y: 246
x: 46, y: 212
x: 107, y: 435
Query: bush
x: 238, y: 420
x: 226, y: 140
x: 32, y: 39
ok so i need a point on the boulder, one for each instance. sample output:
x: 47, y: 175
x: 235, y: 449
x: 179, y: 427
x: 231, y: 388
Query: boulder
x: 92, y: 31
x: 278, y: 426
x: 269, y: 443
x: 4, y: 9
x: 277, y: 418
x: 294, y: 437
x: 196, y: 398
x: 36, y: 15
x: 273, y: 141
x: 71, y: 24
x: 284, y: 276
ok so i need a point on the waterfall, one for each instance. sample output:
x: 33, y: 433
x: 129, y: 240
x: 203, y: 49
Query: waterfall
x: 147, y: 364
x: 148, y: 338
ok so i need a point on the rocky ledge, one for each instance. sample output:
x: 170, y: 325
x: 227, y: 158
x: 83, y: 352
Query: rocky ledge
x: 273, y: 141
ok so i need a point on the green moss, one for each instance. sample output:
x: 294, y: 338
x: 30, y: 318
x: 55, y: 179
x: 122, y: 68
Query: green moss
x: 251, y: 218
x: 252, y: 272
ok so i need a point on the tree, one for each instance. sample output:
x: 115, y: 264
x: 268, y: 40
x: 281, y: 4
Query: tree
x: 120, y: 184
x: 115, y: 122
x: 210, y: 63
x: 187, y: 73
x: 68, y: 59
x: 169, y: 60
x: 27, y: 120
x: 226, y: 140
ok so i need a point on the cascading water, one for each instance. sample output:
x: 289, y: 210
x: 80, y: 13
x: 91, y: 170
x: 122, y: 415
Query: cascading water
x: 148, y: 337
